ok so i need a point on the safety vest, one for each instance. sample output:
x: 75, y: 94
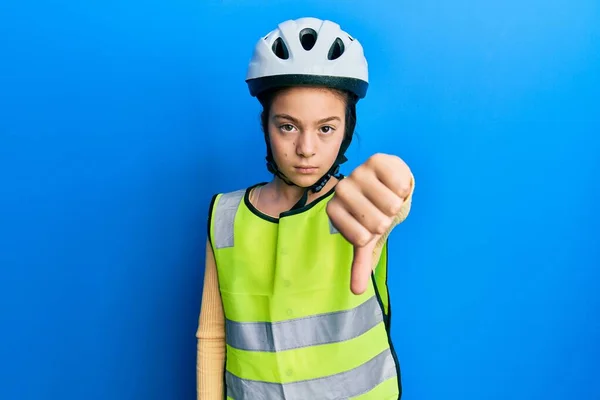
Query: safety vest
x: 293, y: 328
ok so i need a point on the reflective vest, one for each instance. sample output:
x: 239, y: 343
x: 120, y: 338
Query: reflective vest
x: 293, y: 328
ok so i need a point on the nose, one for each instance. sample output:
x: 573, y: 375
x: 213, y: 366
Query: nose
x: 306, y: 145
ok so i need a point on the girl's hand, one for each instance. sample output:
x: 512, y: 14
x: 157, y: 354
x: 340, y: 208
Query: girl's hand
x: 364, y: 206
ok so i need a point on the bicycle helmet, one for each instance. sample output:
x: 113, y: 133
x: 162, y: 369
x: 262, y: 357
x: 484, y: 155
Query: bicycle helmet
x: 308, y: 52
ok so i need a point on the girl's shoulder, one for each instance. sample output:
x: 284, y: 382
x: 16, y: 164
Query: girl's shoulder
x: 232, y: 196
x: 239, y: 190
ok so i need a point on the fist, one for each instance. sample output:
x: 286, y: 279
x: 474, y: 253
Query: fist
x: 364, y: 206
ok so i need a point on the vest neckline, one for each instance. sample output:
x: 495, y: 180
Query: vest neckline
x: 289, y: 213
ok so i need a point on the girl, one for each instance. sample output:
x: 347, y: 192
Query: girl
x: 295, y: 302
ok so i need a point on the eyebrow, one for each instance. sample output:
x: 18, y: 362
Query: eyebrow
x: 294, y: 120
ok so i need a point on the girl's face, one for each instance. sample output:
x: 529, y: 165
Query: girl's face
x: 306, y: 127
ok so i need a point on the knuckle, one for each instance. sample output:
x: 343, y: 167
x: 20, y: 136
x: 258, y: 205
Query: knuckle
x: 343, y: 188
x: 377, y: 158
x: 383, y: 225
x: 400, y: 186
x: 362, y: 239
x: 404, y: 188
x: 395, y: 206
x: 332, y: 208
x: 359, y: 173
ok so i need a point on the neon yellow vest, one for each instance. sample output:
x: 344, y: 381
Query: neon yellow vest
x: 294, y: 330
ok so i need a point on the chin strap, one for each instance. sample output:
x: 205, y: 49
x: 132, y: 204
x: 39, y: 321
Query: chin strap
x: 314, y: 188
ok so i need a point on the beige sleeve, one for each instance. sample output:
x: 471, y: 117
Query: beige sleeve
x: 210, y: 360
x: 404, y: 211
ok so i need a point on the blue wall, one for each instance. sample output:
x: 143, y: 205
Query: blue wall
x: 120, y: 119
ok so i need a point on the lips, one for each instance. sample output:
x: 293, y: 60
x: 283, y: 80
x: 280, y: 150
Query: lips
x: 305, y: 169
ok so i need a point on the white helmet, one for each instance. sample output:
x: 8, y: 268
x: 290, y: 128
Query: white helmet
x: 308, y: 51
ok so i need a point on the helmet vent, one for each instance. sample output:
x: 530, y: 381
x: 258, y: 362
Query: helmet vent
x: 308, y: 38
x: 280, y: 49
x: 336, y: 50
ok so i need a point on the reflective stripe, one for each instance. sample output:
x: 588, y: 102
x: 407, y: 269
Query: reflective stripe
x: 332, y: 229
x: 302, y: 332
x: 355, y: 382
x: 224, y: 218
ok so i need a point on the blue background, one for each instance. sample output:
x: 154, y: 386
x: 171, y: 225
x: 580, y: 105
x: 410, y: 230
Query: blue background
x: 120, y: 119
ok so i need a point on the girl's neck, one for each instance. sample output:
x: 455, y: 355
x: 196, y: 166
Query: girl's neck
x: 277, y: 196
x: 288, y: 194
x: 284, y: 193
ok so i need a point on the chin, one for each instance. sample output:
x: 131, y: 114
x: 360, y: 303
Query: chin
x: 303, y: 180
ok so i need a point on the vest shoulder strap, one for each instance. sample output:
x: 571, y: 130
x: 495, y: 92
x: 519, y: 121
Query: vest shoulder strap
x: 223, y: 218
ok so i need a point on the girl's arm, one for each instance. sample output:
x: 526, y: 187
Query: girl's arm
x: 210, y: 361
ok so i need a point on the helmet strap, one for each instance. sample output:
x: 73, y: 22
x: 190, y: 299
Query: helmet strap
x: 317, y: 186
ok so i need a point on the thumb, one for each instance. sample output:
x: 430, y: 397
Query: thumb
x: 362, y: 266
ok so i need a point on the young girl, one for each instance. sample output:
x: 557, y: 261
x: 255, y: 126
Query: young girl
x: 295, y: 302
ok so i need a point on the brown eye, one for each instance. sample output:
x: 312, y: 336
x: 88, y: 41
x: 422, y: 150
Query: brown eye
x: 327, y: 129
x: 287, y: 127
